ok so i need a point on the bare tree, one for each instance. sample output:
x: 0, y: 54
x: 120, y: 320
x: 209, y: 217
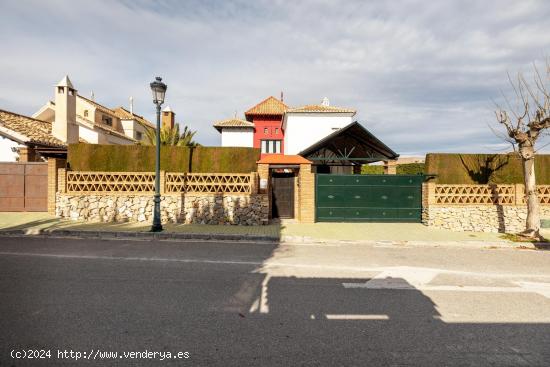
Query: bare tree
x: 525, y: 123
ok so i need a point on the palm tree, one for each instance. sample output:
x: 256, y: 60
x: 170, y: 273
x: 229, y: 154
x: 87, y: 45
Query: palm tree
x: 172, y: 136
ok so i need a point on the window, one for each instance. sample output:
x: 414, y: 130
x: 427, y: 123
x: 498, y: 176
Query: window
x: 271, y: 146
x: 85, y: 113
x: 266, y: 130
x: 107, y: 120
x: 139, y: 135
x: 60, y: 90
x: 276, y: 130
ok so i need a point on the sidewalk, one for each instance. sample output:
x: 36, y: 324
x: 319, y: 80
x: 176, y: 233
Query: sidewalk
x: 285, y: 231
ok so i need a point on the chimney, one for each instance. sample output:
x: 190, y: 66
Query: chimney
x: 282, y: 96
x: 64, y: 126
x: 131, y: 105
x: 168, y: 118
x: 325, y: 102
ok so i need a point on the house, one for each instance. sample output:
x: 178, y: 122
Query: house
x: 306, y: 125
x: 72, y: 118
x: 236, y: 132
x: 299, y: 142
x: 325, y: 134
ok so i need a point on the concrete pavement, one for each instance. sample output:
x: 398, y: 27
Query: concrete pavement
x: 275, y: 305
x: 287, y: 231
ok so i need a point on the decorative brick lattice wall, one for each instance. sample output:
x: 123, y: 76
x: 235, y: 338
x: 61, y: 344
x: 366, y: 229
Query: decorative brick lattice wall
x: 216, y: 198
x: 210, y: 183
x: 480, y: 208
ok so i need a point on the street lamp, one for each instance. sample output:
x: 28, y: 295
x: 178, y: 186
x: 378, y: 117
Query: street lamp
x: 159, y: 90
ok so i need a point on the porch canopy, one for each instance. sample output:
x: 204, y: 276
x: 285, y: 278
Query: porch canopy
x: 350, y: 145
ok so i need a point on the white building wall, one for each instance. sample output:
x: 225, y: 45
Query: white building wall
x: 235, y: 137
x: 129, y: 127
x: 6, y: 154
x: 303, y: 129
x: 88, y: 135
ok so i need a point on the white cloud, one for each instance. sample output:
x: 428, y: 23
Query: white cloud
x: 422, y: 74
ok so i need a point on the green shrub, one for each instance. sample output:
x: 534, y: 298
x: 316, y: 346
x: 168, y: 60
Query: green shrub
x: 401, y: 169
x: 483, y: 168
x: 410, y: 169
x: 372, y: 170
x: 141, y: 158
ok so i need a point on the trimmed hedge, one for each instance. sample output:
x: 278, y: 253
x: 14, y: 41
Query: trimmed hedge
x: 401, y: 169
x: 484, y: 168
x: 372, y: 170
x: 410, y: 169
x: 141, y: 158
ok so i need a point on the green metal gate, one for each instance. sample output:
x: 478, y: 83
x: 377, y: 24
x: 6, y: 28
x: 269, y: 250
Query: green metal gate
x: 368, y: 198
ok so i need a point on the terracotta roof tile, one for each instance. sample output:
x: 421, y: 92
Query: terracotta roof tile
x: 123, y: 114
x: 269, y: 106
x: 283, y: 159
x: 105, y: 128
x: 36, y: 131
x: 234, y: 122
x: 100, y: 107
x: 320, y: 109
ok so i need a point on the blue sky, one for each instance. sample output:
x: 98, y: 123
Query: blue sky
x: 422, y: 74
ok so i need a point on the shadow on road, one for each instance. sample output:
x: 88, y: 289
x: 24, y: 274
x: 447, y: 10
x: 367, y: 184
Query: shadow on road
x: 238, y: 311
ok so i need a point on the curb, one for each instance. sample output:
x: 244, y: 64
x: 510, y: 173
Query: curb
x: 138, y: 235
x: 176, y: 236
x: 404, y: 243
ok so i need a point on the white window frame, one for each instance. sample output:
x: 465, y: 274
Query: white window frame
x: 271, y: 146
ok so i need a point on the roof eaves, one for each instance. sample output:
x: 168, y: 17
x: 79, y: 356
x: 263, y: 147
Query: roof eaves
x: 381, y: 145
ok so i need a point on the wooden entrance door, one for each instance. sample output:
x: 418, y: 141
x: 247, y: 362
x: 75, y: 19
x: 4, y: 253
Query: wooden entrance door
x: 23, y: 187
x: 283, y: 195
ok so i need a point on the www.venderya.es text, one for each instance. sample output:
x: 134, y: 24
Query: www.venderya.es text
x: 95, y: 354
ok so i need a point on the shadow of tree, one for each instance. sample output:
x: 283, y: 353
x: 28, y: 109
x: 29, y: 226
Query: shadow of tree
x: 481, y: 168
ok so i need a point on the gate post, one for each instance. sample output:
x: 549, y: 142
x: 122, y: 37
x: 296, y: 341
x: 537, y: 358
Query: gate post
x: 390, y: 167
x: 53, y: 165
x: 307, y: 194
x: 264, y: 184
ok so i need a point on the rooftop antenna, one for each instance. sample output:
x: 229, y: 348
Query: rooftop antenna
x: 131, y: 105
x: 235, y: 113
x: 92, y: 96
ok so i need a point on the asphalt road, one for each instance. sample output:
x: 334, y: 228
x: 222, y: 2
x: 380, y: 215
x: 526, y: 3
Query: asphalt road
x: 241, y: 304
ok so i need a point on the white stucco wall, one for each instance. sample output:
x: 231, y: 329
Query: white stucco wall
x: 88, y: 135
x: 6, y: 155
x: 129, y: 127
x: 235, y: 137
x: 304, y: 129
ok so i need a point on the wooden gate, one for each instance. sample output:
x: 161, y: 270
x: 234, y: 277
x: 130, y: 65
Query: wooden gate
x: 23, y: 187
x: 283, y: 195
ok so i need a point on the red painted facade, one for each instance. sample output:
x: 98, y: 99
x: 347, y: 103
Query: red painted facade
x: 268, y: 128
x: 268, y: 133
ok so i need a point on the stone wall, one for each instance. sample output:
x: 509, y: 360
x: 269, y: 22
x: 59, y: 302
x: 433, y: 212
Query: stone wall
x: 479, y: 218
x: 177, y: 208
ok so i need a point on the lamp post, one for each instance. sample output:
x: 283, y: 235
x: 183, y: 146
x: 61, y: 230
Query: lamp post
x: 159, y: 90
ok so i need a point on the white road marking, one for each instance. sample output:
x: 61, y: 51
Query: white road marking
x: 541, y: 288
x: 260, y: 304
x: 409, y: 271
x: 357, y: 317
x: 411, y: 278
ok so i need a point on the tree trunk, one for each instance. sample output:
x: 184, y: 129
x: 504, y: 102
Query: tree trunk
x: 532, y: 224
